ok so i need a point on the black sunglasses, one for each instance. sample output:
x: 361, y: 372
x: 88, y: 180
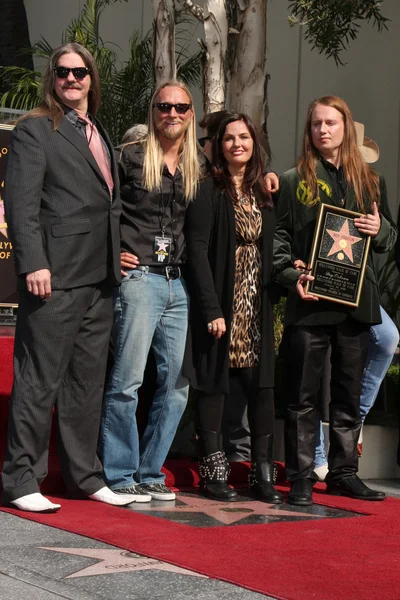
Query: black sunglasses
x: 166, y: 107
x: 202, y: 141
x: 78, y: 72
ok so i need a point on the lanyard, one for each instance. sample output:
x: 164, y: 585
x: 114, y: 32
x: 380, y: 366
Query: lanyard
x: 164, y: 207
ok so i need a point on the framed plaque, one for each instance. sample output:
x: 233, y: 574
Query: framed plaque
x: 8, y: 291
x: 338, y: 256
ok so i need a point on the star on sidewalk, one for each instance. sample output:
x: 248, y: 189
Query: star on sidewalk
x: 343, y: 241
x: 119, y: 561
x: 224, y: 512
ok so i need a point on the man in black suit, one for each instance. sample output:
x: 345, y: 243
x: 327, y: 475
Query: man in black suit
x: 62, y: 207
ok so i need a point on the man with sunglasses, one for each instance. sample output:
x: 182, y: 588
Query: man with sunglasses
x: 62, y: 207
x: 158, y: 179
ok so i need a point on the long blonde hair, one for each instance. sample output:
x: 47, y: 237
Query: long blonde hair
x: 358, y: 174
x: 154, y: 157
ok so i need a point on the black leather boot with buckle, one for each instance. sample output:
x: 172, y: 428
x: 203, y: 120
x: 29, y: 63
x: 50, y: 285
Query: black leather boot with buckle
x: 262, y: 474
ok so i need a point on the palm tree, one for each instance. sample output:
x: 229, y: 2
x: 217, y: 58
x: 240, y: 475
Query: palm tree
x: 125, y: 91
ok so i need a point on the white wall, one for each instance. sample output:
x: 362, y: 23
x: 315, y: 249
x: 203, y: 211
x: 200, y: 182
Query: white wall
x: 369, y: 82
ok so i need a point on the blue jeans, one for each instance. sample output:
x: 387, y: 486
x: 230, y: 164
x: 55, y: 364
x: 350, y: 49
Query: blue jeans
x: 384, y: 339
x: 149, y: 312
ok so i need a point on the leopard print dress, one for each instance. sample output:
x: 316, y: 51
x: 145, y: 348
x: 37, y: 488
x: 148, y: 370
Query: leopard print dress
x: 245, y: 343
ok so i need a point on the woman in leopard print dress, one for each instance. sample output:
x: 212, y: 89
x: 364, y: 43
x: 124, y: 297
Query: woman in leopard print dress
x: 229, y: 234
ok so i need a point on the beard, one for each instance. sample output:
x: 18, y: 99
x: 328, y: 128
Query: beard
x: 172, y: 132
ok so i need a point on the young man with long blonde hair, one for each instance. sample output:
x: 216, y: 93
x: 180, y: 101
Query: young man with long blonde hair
x: 331, y: 170
x: 159, y: 178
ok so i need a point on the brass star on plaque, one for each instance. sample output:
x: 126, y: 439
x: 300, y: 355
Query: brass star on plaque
x: 343, y: 241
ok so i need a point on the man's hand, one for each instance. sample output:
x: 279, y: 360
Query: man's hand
x: 128, y: 261
x: 39, y: 283
x: 272, y: 182
x: 217, y: 328
x: 369, y: 224
x: 299, y: 265
x: 300, y: 285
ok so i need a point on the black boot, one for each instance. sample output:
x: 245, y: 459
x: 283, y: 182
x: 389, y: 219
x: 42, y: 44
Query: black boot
x: 214, y: 468
x: 301, y: 492
x: 261, y: 481
x: 262, y: 472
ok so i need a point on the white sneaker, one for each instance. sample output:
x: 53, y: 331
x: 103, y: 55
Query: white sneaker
x: 35, y: 503
x: 321, y: 472
x: 109, y: 497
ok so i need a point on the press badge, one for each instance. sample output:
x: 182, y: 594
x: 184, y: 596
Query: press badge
x: 162, y: 246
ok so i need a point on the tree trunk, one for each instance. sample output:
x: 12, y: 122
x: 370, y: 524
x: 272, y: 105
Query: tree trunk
x: 248, y: 88
x: 14, y: 35
x: 164, y: 41
x: 216, y: 40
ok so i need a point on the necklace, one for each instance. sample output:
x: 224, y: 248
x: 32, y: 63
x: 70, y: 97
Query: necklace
x: 243, y: 199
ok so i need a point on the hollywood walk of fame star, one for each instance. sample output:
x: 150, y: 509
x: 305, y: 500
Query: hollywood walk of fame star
x: 343, y: 241
x: 162, y: 246
x: 119, y: 561
x: 221, y: 511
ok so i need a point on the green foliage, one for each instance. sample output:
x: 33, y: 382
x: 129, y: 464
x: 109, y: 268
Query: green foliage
x: 394, y: 373
x: 125, y: 90
x: 278, y: 316
x: 330, y: 25
x: 23, y: 87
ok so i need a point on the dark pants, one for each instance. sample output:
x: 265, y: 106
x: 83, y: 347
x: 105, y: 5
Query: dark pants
x: 60, y: 358
x: 307, y: 351
x: 260, y: 404
x: 235, y: 427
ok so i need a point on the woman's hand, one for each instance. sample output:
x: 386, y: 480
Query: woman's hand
x: 369, y: 224
x: 128, y: 261
x: 300, y: 285
x: 217, y: 328
x: 272, y: 182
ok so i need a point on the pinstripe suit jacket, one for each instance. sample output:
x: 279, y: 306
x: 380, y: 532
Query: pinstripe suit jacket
x: 58, y: 207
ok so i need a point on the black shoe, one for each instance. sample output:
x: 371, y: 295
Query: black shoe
x: 265, y: 491
x: 353, y: 487
x: 134, y: 490
x: 157, y: 491
x: 219, y: 490
x: 301, y: 492
x: 261, y: 480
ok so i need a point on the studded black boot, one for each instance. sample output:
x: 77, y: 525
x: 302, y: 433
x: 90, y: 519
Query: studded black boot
x: 214, y: 471
x: 262, y: 474
x: 214, y: 467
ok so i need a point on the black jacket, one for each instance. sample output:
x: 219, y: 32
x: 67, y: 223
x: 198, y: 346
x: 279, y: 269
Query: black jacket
x: 296, y: 220
x: 58, y: 206
x: 211, y: 244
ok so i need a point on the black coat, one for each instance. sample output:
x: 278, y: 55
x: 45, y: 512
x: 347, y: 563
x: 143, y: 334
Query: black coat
x: 296, y: 222
x: 211, y: 244
x: 58, y: 208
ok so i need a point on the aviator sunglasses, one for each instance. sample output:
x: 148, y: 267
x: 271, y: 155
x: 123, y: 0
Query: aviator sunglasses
x: 78, y: 72
x: 166, y: 107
